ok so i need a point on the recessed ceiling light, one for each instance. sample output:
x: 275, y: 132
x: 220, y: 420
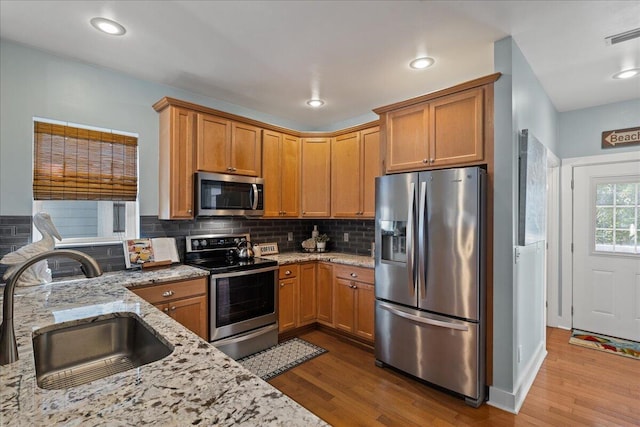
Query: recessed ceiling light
x: 626, y: 74
x: 315, y: 103
x: 422, y: 63
x: 108, y: 26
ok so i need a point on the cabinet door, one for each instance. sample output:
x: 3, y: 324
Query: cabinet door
x: 456, y: 128
x: 316, y: 177
x: 246, y: 149
x: 272, y: 172
x: 407, y: 138
x: 371, y: 168
x: 287, y: 302
x: 176, y: 164
x: 344, y: 300
x: 324, y: 285
x: 307, y: 294
x: 192, y: 313
x: 364, y: 310
x: 290, y: 176
x: 346, y: 171
x: 213, y: 142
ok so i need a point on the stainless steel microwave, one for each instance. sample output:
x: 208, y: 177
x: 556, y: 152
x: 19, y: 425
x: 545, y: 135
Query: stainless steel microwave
x: 228, y: 195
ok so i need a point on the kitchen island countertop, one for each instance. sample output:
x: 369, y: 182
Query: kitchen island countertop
x: 195, y: 384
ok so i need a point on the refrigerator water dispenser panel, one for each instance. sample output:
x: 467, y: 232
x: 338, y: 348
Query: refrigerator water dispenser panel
x: 394, y: 241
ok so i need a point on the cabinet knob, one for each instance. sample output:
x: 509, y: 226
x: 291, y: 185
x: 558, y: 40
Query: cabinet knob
x: 284, y: 212
x: 353, y: 275
x: 288, y: 272
x: 354, y: 287
x: 229, y: 168
x: 233, y: 169
x: 425, y: 160
x: 173, y: 308
x: 282, y: 285
x: 189, y: 211
x: 166, y: 309
x: 167, y: 293
x: 431, y: 160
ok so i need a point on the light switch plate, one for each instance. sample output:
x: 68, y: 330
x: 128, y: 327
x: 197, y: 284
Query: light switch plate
x: 269, y: 248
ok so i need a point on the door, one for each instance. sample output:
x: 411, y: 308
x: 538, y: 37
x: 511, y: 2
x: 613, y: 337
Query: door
x: 606, y: 254
x: 449, y: 276
x: 396, y: 202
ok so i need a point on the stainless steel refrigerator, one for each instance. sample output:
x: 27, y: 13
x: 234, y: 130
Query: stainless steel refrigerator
x: 430, y: 277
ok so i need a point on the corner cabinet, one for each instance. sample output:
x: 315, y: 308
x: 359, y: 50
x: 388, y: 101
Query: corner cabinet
x: 281, y: 173
x: 355, y: 163
x: 176, y: 163
x: 184, y: 301
x: 316, y: 177
x: 445, y: 128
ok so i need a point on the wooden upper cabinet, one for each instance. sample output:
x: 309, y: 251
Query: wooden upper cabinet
x: 407, y: 139
x: 346, y: 175
x: 316, y: 177
x: 371, y: 168
x: 214, y: 143
x: 281, y: 173
x: 176, y: 163
x: 246, y: 149
x: 355, y: 162
x: 225, y: 146
x: 456, y: 128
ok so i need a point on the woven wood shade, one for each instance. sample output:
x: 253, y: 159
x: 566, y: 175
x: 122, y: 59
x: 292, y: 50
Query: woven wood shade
x: 79, y: 164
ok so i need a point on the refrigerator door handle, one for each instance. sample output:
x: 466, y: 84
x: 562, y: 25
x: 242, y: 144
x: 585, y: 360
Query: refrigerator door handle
x: 422, y: 242
x: 410, y: 242
x: 424, y: 320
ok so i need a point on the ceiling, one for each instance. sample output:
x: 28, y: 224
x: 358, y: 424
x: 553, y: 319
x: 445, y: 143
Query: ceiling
x: 271, y: 56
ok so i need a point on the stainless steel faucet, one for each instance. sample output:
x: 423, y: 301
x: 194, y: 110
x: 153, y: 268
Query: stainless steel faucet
x: 8, y: 345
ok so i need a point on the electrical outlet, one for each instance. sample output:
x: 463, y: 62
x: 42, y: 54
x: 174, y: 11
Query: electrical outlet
x: 290, y: 236
x: 345, y: 238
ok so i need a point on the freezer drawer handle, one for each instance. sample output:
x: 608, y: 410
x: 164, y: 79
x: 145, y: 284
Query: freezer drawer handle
x: 426, y: 321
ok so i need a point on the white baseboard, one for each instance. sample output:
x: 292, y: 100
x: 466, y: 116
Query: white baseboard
x: 510, y: 401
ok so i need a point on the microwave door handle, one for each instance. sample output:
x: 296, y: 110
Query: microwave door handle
x: 253, y: 196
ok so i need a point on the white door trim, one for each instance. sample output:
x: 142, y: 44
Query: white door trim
x: 566, y: 212
x: 552, y: 259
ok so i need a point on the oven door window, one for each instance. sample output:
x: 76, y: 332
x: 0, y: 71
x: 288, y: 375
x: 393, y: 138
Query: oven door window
x: 241, y: 298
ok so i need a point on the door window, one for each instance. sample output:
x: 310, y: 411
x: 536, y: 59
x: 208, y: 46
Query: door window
x: 617, y: 208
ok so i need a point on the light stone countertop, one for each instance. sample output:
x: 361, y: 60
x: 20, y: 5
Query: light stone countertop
x: 335, y: 257
x: 195, y: 384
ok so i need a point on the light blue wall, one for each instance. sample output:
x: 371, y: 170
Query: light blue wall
x: 581, y: 130
x: 520, y: 103
x: 34, y: 83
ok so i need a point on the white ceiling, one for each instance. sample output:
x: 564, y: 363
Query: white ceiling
x: 271, y: 56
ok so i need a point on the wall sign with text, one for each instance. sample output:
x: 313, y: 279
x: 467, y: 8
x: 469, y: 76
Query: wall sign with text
x: 621, y: 137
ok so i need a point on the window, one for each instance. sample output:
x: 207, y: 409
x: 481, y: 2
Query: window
x: 86, y: 178
x: 617, y: 217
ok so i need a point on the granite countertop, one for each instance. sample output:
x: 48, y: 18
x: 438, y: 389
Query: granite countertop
x: 335, y: 257
x: 195, y: 384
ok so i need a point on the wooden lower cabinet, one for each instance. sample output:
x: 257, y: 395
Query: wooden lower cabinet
x: 184, y: 301
x: 324, y: 284
x: 296, y: 296
x: 354, y: 301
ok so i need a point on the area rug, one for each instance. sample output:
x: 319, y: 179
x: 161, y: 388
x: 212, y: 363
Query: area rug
x: 280, y: 358
x: 604, y: 343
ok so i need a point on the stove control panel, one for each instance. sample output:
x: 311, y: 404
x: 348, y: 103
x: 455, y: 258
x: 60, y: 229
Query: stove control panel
x: 214, y: 242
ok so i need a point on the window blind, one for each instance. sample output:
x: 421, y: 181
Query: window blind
x: 71, y: 163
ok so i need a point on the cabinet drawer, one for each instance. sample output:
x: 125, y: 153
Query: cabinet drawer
x: 174, y: 290
x: 288, y: 271
x: 353, y: 273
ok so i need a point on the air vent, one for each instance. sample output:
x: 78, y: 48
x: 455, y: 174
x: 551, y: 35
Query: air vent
x: 623, y: 37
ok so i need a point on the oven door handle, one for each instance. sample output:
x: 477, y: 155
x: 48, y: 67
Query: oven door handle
x: 244, y: 272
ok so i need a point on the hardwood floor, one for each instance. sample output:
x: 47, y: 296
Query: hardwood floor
x: 575, y: 387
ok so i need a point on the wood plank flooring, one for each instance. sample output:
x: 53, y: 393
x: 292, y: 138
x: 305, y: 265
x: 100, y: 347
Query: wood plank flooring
x: 575, y: 387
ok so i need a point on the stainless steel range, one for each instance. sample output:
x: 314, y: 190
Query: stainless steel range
x: 243, y: 303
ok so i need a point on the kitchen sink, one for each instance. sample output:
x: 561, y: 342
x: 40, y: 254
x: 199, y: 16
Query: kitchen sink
x: 73, y: 353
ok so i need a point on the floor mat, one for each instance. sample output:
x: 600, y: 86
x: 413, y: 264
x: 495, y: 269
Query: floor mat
x: 280, y: 358
x: 604, y: 343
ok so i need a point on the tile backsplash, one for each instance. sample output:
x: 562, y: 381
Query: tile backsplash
x: 15, y: 232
